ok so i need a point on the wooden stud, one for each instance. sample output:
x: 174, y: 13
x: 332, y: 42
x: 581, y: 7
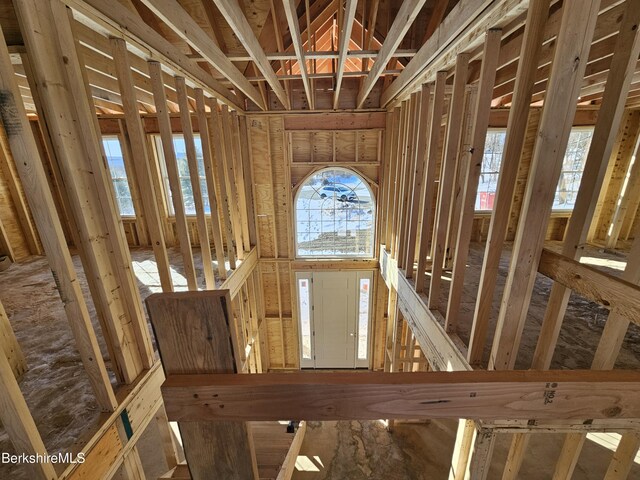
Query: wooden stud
x: 207, y: 158
x: 419, y: 187
x: 166, y: 137
x: 75, y: 139
x: 604, y: 134
x: 516, y: 128
x: 238, y: 174
x: 245, y: 153
x: 447, y: 177
x: 136, y: 138
x: 472, y: 175
x: 429, y: 182
x: 203, y: 233
x: 215, y: 128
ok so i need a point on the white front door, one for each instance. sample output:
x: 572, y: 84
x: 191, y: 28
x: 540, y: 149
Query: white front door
x: 334, y: 315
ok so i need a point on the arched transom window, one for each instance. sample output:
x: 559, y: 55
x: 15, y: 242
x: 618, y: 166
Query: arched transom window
x: 334, y: 215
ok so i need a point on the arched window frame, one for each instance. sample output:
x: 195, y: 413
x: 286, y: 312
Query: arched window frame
x: 297, y: 192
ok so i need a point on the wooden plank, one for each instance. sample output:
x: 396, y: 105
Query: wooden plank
x: 345, y: 38
x: 135, y: 136
x: 232, y: 13
x: 245, y: 153
x: 574, y: 41
x: 239, y: 181
x: 288, y: 466
x: 238, y: 278
x: 516, y: 129
x: 624, y: 457
x: 447, y: 177
x: 215, y: 128
x: 429, y: 182
x: 207, y: 158
x: 290, y: 11
x: 194, y: 175
x: 335, y: 121
x: 472, y: 175
x: 604, y: 135
x: 192, y: 330
x: 401, y: 24
x: 555, y: 394
x: 75, y: 138
x: 169, y: 154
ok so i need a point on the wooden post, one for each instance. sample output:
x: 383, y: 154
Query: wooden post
x: 166, y: 138
x: 248, y: 180
x: 429, y: 183
x: 239, y: 178
x: 570, y: 59
x: 203, y: 126
x: 193, y: 336
x: 447, y: 176
x: 10, y: 346
x: 472, y: 175
x: 187, y: 132
x: 516, y: 128
x: 136, y: 138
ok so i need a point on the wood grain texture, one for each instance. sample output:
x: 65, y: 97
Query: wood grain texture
x: 367, y: 396
x: 193, y: 335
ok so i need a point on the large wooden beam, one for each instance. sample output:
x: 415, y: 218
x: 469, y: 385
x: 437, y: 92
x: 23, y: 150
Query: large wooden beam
x: 294, y: 29
x: 574, y: 41
x: 240, y: 26
x: 483, y: 394
x: 193, y: 333
x: 403, y: 21
x: 345, y: 38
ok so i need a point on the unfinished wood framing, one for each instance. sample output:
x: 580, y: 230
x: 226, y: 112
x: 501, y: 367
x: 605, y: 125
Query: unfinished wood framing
x: 469, y: 165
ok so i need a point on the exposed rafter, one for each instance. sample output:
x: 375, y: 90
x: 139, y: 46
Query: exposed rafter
x: 238, y: 22
x: 405, y: 17
x: 294, y: 28
x: 186, y: 27
x: 345, y: 36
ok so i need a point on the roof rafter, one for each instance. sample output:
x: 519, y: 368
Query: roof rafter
x: 345, y: 36
x: 186, y: 27
x: 294, y: 28
x: 238, y: 22
x: 405, y: 17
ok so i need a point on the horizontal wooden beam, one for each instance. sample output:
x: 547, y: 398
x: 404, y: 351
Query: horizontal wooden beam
x: 317, y: 55
x: 530, y: 394
x: 335, y: 121
x: 612, y: 292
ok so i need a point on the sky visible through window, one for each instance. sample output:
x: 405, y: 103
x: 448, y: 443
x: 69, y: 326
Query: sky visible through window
x: 115, y: 160
x: 334, y: 216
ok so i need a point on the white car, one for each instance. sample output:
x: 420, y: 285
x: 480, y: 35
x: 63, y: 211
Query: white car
x: 338, y: 191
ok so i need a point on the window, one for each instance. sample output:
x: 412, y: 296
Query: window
x: 363, y: 318
x: 572, y: 168
x: 334, y: 215
x: 180, y: 149
x: 118, y: 173
x: 488, y: 184
x: 570, y: 176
